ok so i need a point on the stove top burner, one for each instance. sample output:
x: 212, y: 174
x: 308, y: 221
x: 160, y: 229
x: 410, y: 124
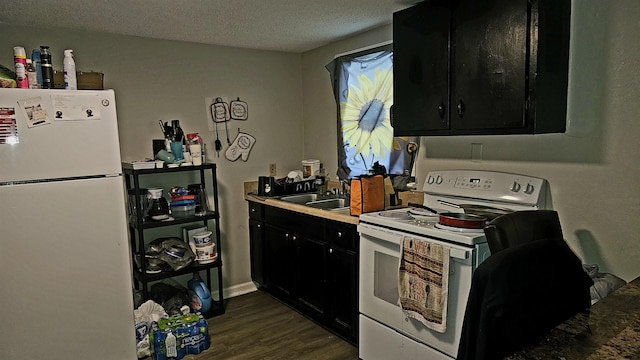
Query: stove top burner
x: 422, y: 213
x: 396, y: 215
x: 458, y: 229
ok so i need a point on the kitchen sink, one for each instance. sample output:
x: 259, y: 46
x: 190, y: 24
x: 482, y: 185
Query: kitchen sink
x: 301, y: 199
x: 329, y: 204
x: 325, y: 202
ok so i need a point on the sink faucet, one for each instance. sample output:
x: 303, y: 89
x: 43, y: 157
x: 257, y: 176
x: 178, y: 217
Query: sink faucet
x: 346, y: 187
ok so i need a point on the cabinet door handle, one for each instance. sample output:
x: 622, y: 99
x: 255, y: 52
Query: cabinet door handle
x: 339, y: 234
x: 330, y: 251
x: 259, y: 226
x: 441, y: 110
x: 461, y: 108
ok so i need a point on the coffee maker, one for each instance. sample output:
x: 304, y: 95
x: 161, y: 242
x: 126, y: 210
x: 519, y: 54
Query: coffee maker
x: 266, y: 186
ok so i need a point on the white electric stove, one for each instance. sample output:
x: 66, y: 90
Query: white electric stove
x: 385, y: 331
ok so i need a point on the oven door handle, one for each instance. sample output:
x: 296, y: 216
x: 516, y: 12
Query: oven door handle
x: 459, y: 253
x: 383, y: 234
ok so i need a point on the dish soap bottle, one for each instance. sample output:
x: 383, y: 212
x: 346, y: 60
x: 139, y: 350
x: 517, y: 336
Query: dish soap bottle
x: 321, y: 180
x: 69, y: 65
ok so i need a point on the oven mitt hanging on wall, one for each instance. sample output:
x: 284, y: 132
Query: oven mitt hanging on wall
x: 241, y: 147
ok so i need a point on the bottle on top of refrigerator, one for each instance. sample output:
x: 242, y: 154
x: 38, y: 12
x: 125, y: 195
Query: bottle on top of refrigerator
x: 32, y: 75
x: 69, y: 66
x: 47, y: 67
x: 20, y: 62
x: 35, y: 59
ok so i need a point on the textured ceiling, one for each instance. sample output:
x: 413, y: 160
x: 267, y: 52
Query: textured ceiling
x: 284, y: 25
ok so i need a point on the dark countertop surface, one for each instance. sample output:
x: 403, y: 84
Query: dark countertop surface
x: 610, y: 329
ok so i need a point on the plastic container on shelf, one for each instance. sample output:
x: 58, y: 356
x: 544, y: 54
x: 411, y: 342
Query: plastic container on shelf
x: 206, y: 254
x: 202, y: 238
x: 183, y: 210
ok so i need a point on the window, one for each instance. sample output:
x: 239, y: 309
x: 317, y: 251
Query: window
x: 363, y: 88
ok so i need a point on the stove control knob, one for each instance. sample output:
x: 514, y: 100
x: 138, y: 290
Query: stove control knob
x: 430, y: 179
x: 439, y: 179
x: 516, y: 187
x: 529, y: 189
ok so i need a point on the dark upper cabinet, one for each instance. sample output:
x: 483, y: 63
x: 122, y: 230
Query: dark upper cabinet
x: 481, y: 67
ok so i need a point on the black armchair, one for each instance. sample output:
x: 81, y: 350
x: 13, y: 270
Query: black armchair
x: 522, y: 227
x: 531, y: 283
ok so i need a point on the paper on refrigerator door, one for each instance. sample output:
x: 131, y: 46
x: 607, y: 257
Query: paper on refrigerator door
x: 34, y: 111
x: 76, y: 107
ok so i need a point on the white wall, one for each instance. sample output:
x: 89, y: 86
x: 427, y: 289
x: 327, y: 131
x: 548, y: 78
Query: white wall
x: 163, y: 80
x: 593, y: 169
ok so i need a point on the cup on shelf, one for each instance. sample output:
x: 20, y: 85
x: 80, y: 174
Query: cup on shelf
x: 165, y: 156
x: 176, y: 150
x: 196, y: 153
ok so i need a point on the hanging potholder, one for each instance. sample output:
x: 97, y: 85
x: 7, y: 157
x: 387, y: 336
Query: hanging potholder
x: 219, y: 111
x: 239, y: 110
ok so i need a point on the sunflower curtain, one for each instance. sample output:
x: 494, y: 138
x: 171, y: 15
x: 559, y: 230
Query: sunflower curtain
x: 363, y: 88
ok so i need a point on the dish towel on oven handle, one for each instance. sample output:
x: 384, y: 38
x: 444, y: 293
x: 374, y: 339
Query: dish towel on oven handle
x: 423, y: 279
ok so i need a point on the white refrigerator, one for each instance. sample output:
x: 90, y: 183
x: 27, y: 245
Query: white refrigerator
x: 65, y: 263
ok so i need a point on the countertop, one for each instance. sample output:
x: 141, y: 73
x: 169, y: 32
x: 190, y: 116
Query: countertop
x: 610, y: 329
x: 251, y: 189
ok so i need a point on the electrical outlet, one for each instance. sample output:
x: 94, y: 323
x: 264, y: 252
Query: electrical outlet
x: 272, y: 169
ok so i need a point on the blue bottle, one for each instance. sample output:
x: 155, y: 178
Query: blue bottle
x: 202, y: 294
x: 35, y: 59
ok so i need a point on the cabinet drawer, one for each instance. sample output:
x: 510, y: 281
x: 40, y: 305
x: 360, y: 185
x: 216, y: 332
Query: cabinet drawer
x: 256, y: 211
x: 302, y: 225
x: 341, y: 235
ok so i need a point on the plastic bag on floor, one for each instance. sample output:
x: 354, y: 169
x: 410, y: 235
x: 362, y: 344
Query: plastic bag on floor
x: 603, y: 283
x: 170, y: 297
x: 145, y: 315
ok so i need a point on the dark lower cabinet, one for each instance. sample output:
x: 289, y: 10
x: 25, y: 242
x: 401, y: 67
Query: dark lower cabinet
x: 342, y: 278
x: 279, y: 250
x: 311, y: 290
x: 256, y: 246
x: 256, y: 234
x: 308, y: 262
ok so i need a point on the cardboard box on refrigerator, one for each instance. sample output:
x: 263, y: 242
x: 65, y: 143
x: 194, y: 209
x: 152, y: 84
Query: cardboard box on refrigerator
x: 87, y: 80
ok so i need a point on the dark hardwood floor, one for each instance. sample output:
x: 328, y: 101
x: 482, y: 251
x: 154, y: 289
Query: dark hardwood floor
x: 257, y: 326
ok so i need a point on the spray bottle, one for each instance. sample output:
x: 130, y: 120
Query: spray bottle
x: 69, y: 66
x: 20, y: 61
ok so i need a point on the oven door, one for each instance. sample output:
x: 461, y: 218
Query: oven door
x: 379, y: 296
